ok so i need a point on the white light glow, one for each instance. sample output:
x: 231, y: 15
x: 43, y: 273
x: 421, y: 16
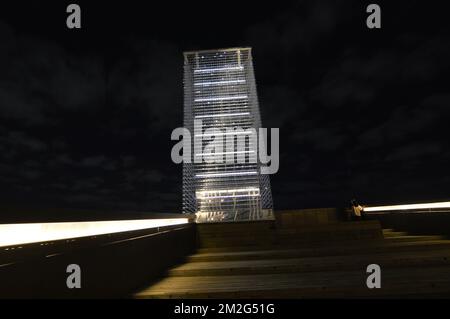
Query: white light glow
x: 222, y: 115
x: 226, y: 174
x: 15, y: 234
x: 228, y: 196
x: 227, y: 133
x: 407, y: 207
x: 221, y: 98
x: 228, y: 191
x: 232, y: 68
x: 219, y: 83
x: 223, y: 153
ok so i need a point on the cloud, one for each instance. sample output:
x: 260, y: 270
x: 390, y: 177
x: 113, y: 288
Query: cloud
x: 322, y: 139
x: 403, y: 123
x: 40, y: 79
x: 148, y: 80
x: 414, y: 151
x: 93, y: 161
x: 20, y: 139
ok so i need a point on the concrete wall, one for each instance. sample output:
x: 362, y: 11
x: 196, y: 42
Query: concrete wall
x: 314, y: 216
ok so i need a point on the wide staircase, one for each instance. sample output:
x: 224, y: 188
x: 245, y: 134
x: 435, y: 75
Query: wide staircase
x: 307, y: 254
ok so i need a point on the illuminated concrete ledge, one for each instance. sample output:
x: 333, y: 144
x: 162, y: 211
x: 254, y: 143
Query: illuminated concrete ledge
x: 437, y: 205
x: 17, y: 234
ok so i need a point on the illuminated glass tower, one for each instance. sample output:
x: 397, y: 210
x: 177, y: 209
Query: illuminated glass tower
x: 220, y: 93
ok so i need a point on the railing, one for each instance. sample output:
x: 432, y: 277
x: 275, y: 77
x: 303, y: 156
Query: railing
x: 26, y: 233
x: 421, y: 207
x: 112, y: 264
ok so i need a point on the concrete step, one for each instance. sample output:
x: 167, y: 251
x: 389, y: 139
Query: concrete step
x: 213, y: 236
x: 393, y: 233
x: 242, y: 229
x: 324, y: 260
x: 396, y: 282
x: 312, y: 264
x: 414, y: 238
x: 325, y: 251
x: 318, y: 249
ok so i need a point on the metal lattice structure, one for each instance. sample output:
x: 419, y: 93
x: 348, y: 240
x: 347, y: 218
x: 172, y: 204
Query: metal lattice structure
x: 220, y: 90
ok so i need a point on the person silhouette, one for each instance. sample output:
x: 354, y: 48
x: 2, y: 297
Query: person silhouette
x: 357, y: 210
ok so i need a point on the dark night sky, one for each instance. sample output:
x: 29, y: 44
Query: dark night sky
x: 86, y: 115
